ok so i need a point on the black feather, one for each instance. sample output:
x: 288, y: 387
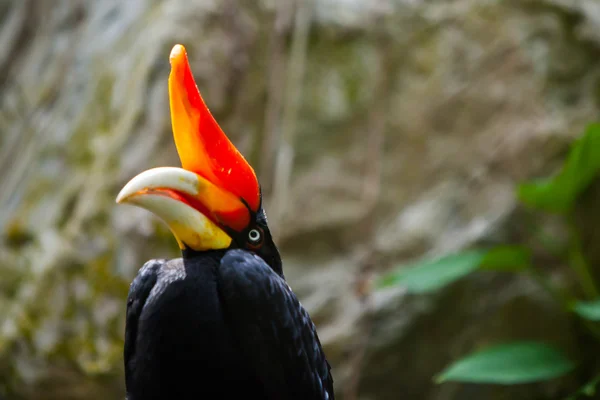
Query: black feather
x: 274, y: 331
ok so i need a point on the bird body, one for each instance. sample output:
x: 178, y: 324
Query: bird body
x: 177, y: 342
x: 220, y: 322
x: 193, y: 332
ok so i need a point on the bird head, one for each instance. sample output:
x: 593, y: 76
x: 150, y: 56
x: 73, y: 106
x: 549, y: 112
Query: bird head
x: 214, y: 201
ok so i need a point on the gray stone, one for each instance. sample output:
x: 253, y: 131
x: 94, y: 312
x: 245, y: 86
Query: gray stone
x: 471, y: 97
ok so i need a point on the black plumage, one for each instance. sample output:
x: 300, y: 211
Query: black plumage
x: 221, y: 324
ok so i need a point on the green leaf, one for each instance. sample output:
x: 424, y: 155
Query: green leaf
x: 589, y: 389
x: 429, y: 275
x: 432, y: 274
x: 542, y: 194
x: 589, y: 310
x: 507, y: 258
x: 508, y: 364
x: 557, y: 194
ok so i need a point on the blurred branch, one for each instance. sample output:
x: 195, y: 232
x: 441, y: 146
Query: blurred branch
x: 293, y: 95
x: 15, y: 31
x: 28, y: 138
x: 579, y: 264
x: 370, y: 195
x: 275, y: 91
x: 240, y: 40
x: 587, y: 390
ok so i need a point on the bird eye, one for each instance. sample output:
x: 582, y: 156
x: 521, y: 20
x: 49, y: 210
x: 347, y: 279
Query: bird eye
x: 254, y: 236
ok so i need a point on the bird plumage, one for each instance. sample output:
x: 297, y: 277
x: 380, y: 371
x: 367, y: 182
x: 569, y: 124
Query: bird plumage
x: 217, y: 325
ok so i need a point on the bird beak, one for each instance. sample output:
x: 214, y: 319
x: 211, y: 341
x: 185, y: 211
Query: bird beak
x: 216, y: 191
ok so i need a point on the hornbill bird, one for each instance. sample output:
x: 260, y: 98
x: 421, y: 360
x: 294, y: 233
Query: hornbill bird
x: 221, y: 322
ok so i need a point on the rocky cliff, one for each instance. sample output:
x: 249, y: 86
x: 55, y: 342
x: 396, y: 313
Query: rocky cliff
x: 382, y: 131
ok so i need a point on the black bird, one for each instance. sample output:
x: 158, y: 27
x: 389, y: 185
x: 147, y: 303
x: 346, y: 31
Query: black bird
x: 221, y: 322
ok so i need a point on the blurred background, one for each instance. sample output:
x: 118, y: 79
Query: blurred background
x: 382, y: 132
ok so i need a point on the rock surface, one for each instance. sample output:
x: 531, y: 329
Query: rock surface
x: 415, y: 120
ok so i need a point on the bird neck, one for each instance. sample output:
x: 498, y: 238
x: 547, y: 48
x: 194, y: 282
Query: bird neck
x: 191, y: 255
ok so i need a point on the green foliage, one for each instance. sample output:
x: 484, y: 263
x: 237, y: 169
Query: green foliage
x: 558, y: 194
x: 432, y: 274
x: 429, y: 275
x: 523, y: 362
x: 588, y: 390
x: 507, y: 258
x: 589, y: 310
x: 512, y: 363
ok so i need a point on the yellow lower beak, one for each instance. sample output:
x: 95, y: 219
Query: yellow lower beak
x: 174, y: 195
